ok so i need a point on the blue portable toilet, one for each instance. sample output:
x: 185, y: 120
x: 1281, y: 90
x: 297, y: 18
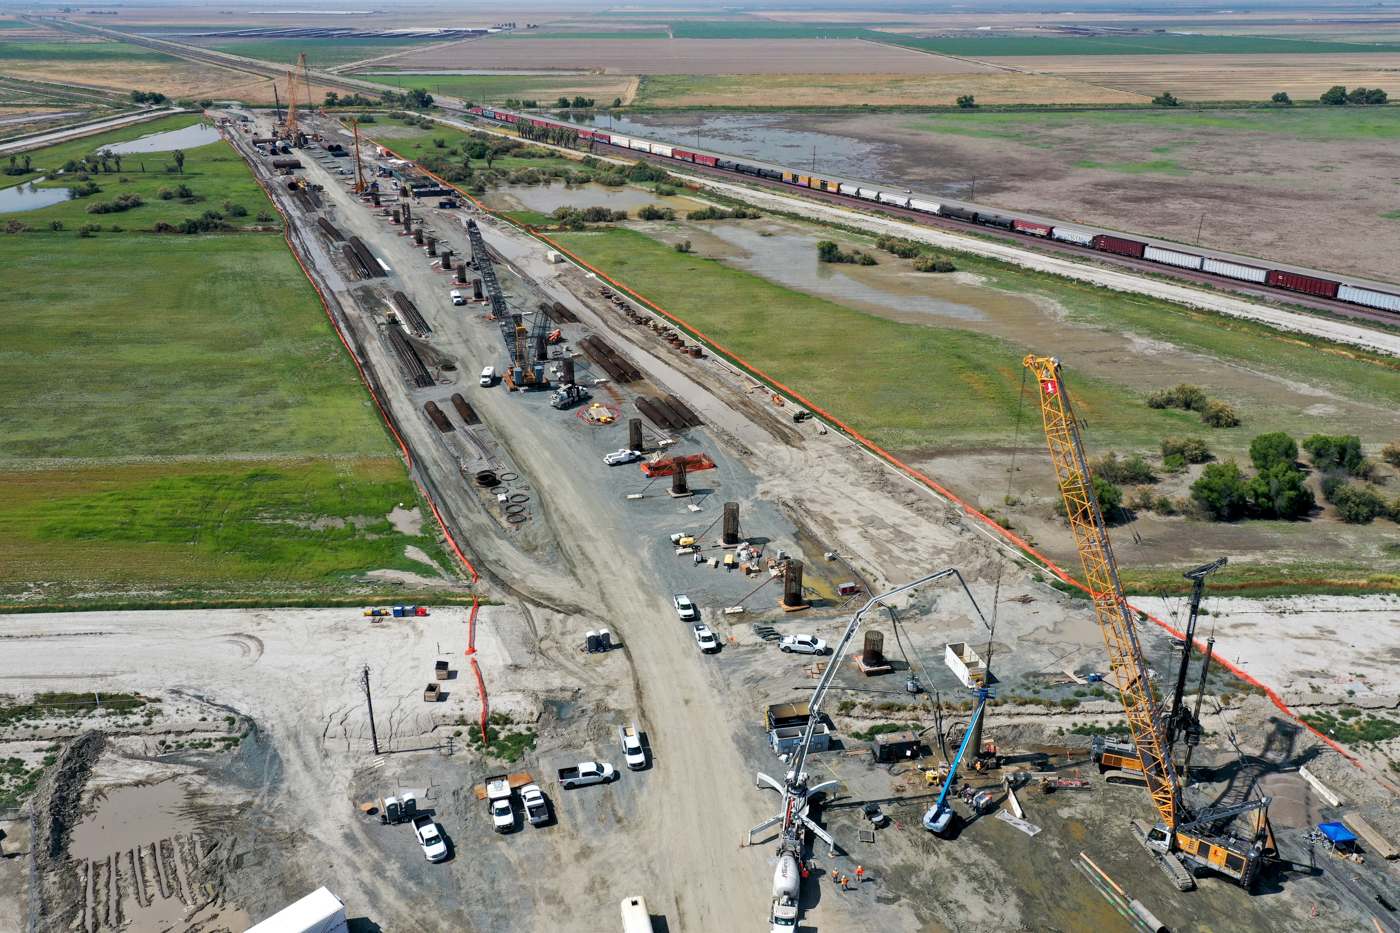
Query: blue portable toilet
x: 398, y: 612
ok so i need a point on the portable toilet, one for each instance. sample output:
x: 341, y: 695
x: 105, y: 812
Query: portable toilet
x: 389, y: 810
x: 604, y: 640
x: 592, y: 638
x: 408, y: 805
x: 398, y: 612
x: 420, y: 610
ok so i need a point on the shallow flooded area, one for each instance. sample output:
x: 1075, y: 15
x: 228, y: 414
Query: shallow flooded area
x: 30, y: 197
x: 134, y: 815
x: 190, y: 137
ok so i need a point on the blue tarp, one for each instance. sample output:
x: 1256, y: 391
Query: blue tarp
x: 1336, y: 832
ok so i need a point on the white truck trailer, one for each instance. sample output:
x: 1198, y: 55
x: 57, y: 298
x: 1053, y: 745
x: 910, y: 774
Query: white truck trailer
x: 318, y: 912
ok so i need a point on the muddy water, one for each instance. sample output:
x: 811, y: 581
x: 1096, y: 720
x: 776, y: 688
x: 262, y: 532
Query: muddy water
x: 131, y: 816
x: 546, y: 198
x: 790, y: 258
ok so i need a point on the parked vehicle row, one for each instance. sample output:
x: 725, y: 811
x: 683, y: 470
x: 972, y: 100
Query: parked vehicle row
x: 1078, y: 235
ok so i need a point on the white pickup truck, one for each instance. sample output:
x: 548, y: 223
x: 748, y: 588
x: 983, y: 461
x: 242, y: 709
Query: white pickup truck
x: 536, y: 809
x: 632, y: 747
x: 434, y: 849
x: 502, y: 813
x: 586, y: 772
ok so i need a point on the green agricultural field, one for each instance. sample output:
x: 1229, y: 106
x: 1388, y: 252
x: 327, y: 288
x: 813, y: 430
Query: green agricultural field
x: 320, y: 53
x: 177, y: 415
x: 587, y: 35
x: 997, y: 46
x: 872, y: 373
x: 761, y: 30
x: 170, y: 345
x: 79, y: 52
x: 193, y: 526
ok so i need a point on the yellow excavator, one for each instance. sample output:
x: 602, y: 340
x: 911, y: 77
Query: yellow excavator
x: 1230, y: 840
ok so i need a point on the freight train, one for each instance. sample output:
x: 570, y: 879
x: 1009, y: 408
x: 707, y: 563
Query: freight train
x: 1077, y: 235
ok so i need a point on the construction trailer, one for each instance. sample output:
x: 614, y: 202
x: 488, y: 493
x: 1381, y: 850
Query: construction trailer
x: 318, y: 912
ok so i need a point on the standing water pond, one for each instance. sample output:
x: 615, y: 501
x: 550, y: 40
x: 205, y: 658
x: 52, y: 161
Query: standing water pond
x: 191, y: 137
x: 30, y: 197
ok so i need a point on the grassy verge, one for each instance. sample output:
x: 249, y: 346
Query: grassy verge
x: 903, y: 386
x: 298, y: 522
x: 246, y: 464
x: 1302, y: 122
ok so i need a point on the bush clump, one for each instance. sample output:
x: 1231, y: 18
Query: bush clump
x: 655, y: 212
x: 933, y: 264
x: 1186, y: 397
x: 715, y: 213
x: 17, y: 226
x: 122, y: 202
x: 904, y: 249
x: 1135, y: 471
x: 1338, y: 453
x: 1221, y: 491
x: 1179, y: 451
x: 575, y: 218
x: 830, y: 251
x: 1358, y: 505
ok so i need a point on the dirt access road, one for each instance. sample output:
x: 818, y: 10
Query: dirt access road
x: 584, y: 566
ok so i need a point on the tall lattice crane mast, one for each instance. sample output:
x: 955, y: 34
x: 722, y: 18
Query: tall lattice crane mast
x: 360, y: 184
x: 1210, y: 845
x: 291, y: 106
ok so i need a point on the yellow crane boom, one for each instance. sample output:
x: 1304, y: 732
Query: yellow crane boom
x: 1201, y: 840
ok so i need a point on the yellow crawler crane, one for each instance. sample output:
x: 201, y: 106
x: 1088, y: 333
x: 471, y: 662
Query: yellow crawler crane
x: 1186, y: 843
x: 291, y: 106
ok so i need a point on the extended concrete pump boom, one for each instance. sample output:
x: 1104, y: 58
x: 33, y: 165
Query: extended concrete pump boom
x: 1209, y: 846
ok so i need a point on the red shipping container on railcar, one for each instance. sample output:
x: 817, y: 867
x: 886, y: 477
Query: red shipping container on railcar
x: 585, y: 134
x: 682, y: 155
x: 1299, y: 283
x: 1113, y: 244
x: 603, y: 138
x: 706, y: 160
x: 1025, y: 226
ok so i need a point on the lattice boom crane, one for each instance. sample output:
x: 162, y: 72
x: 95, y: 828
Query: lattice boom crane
x: 1207, y: 846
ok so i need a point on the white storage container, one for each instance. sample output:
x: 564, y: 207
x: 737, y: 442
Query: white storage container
x: 787, y: 738
x: 1083, y: 238
x: 1172, y: 258
x: 318, y: 912
x: 965, y: 663
x: 1233, y: 270
x: 930, y: 207
x: 1369, y: 298
x: 639, y: 144
x: 658, y: 149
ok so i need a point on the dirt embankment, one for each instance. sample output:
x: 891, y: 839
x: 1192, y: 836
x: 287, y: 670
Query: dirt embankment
x: 57, y: 809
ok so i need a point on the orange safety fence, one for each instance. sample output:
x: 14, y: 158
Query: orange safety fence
x: 471, y: 626
x: 485, y: 708
x: 670, y: 466
x: 287, y: 235
x: 870, y: 445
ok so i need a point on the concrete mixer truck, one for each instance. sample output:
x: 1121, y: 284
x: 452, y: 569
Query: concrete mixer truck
x: 787, y: 886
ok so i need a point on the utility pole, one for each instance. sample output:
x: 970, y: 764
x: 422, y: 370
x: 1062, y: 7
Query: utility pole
x: 814, y: 158
x: 364, y: 685
x: 1199, y: 226
x: 973, y: 196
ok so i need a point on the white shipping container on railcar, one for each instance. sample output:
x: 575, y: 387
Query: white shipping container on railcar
x: 1172, y: 258
x: 621, y: 142
x: 638, y: 144
x: 1233, y: 270
x: 884, y: 197
x: 1082, y: 237
x: 1364, y: 296
x: 930, y: 207
x: 658, y: 149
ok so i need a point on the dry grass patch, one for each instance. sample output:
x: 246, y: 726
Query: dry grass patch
x: 1221, y: 77
x: 875, y: 90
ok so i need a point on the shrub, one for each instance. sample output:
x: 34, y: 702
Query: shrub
x: 1221, y: 491
x: 184, y: 191
x: 615, y: 180
x: 1280, y: 491
x: 1268, y: 450
x: 55, y: 225
x: 665, y: 191
x: 933, y: 264
x: 1164, y: 505
x: 164, y: 227
x: 1358, y: 505
x: 87, y: 230
x: 683, y: 247
x: 1166, y: 99
x: 1340, y: 452
x: 967, y: 102
x: 1390, y: 453
x: 1136, y: 471
x: 655, y: 212
x: 1335, y: 95
x: 1185, y: 397
x: 904, y: 249
x: 236, y: 210
x: 17, y: 226
x: 1218, y: 414
x: 1109, y: 497
x: 265, y: 217
x: 1174, y: 463
x: 1281, y: 97
x: 1189, y: 449
x: 829, y: 251
x: 164, y: 193
x: 83, y: 191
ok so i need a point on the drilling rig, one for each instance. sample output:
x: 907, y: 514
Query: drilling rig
x: 794, y: 814
x: 1185, y: 842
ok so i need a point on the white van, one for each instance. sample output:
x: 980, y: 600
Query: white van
x: 488, y: 377
x: 457, y: 298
